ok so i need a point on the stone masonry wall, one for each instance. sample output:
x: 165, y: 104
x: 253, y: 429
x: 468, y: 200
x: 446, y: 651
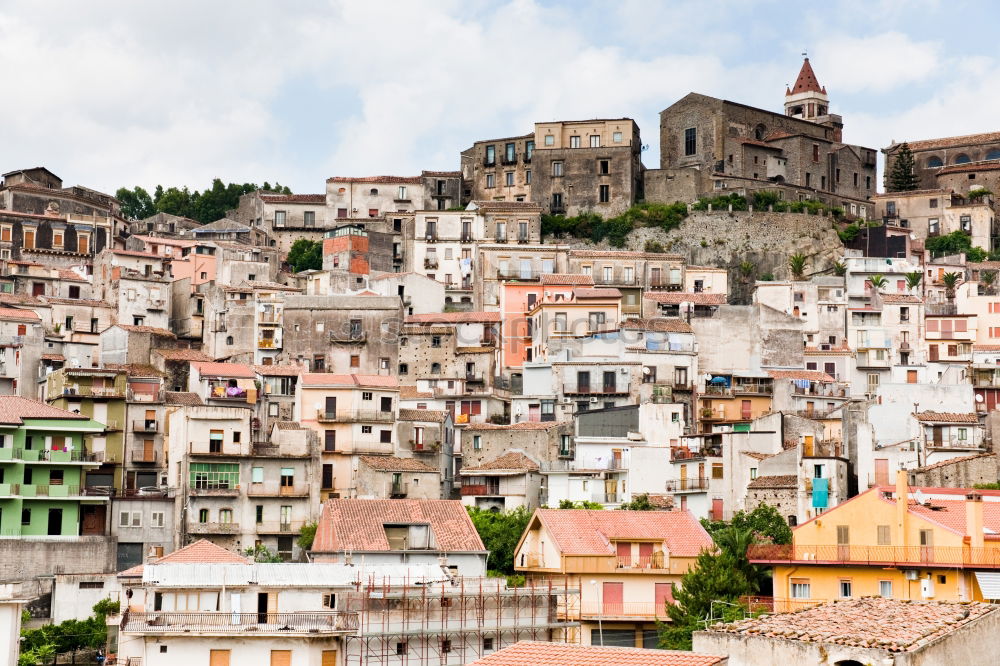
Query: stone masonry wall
x: 26, y: 559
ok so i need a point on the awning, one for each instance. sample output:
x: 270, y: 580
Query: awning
x: 989, y: 584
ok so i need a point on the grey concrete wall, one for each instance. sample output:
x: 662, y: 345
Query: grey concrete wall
x: 766, y: 651
x: 27, y: 558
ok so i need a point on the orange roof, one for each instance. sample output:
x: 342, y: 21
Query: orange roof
x: 394, y: 464
x: 566, y: 278
x: 513, y: 460
x: 453, y: 318
x: 410, y: 392
x: 14, y: 409
x: 806, y: 82
x: 278, y: 370
x: 215, y: 369
x: 596, y: 292
x: 677, y: 297
x: 810, y: 375
x: 359, y: 524
x: 15, y: 313
x: 294, y: 198
x: 523, y: 425
x: 389, y: 180
x: 947, y: 417
x: 182, y: 354
x: 331, y: 379
x: 586, y: 532
x: 201, y: 551
x: 658, y: 324
x: 537, y: 653
x: 162, y: 332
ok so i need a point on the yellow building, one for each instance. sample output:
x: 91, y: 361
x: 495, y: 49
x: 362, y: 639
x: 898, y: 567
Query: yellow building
x: 625, y: 563
x: 939, y: 544
x: 734, y: 399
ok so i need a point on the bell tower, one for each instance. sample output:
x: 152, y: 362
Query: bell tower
x: 807, y: 99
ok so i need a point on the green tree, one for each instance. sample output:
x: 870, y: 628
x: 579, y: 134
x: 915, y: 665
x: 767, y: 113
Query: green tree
x: 913, y: 279
x: 638, y: 503
x: 877, y: 281
x: 136, y: 204
x: 585, y: 504
x: 500, y: 532
x: 260, y: 553
x: 989, y: 280
x: 902, y: 176
x: 305, y: 255
x: 839, y: 268
x: 306, y: 536
x: 951, y: 281
x: 797, y: 264
x: 174, y: 201
x: 764, y: 523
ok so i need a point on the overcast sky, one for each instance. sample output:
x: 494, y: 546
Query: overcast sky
x: 128, y: 93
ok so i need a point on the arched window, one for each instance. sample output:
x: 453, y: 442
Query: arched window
x: 993, y: 154
x: 229, y: 340
x: 962, y: 159
x: 373, y: 192
x: 760, y: 132
x: 435, y: 368
x: 934, y: 162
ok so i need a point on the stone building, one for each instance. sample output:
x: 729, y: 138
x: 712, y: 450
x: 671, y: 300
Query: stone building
x: 390, y: 477
x: 956, y: 162
x: 711, y: 146
x: 284, y: 217
x: 587, y: 166
x: 41, y: 192
x: 374, y: 196
x: 498, y: 169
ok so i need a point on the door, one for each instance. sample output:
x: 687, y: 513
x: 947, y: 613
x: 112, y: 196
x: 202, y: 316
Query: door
x: 263, y: 603
x: 583, y: 382
x: 911, y: 376
x: 646, y: 555
x: 664, y: 595
x: 281, y: 658
x: 218, y: 658
x: 926, y: 546
x: 624, y: 550
x: 938, y: 436
x: 148, y: 452
x: 745, y: 410
x: 330, y: 440
x: 616, y: 459
x: 717, y: 508
x: 881, y: 471
x: 534, y: 412
x: 55, y: 522
x: 37, y: 289
x: 684, y: 477
x: 331, y: 407
x: 329, y: 658
x: 93, y: 519
x: 609, y: 381
x: 934, y: 352
x: 612, y: 595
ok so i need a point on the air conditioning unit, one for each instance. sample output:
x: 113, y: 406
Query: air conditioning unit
x: 593, y: 400
x: 567, y: 401
x: 911, y: 574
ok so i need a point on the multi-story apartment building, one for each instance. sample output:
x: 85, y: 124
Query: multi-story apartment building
x: 374, y: 196
x: 284, y: 217
x: 632, y: 273
x: 498, y: 169
x: 520, y: 289
x: 443, y: 247
x: 137, y: 283
x: 626, y: 562
x: 564, y: 312
x: 939, y: 212
x: 733, y: 399
x: 21, y: 335
x: 501, y: 265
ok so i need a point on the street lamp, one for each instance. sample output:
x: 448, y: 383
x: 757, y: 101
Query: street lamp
x: 600, y: 610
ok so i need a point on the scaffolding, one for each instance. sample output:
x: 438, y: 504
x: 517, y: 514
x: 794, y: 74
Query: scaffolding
x: 457, y: 621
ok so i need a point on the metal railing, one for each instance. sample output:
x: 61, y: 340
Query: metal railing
x: 348, y: 415
x: 239, y: 623
x: 144, y: 425
x: 595, y: 388
x: 630, y: 609
x: 518, y: 274
x: 654, y: 561
x: 681, y: 485
x: 213, y: 528
x: 398, y: 489
x: 276, y: 489
x: 46, y: 455
x: 279, y: 527
x: 602, y: 279
x: 269, y: 317
x: 49, y: 490
x: 943, y: 556
x: 143, y: 456
x: 952, y: 443
x: 605, y: 498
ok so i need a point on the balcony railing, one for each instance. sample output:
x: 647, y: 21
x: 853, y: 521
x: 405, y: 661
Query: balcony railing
x: 290, y: 527
x: 893, y: 556
x: 144, y: 425
x: 10, y: 489
x: 214, y: 528
x: 595, y: 388
x: 143, y: 456
x: 473, y: 489
x: 267, y: 343
x: 49, y: 490
x: 953, y: 443
x: 627, y: 609
x: 353, y: 337
x: 718, y: 389
x: 764, y: 388
x: 239, y: 623
x: 276, y: 489
x: 46, y: 455
x: 622, y: 279
x: 350, y: 415
x: 654, y: 561
x: 398, y: 489
x: 606, y: 498
x: 269, y: 317
x: 94, y: 391
x: 684, y: 485
x: 270, y: 450
x: 824, y: 390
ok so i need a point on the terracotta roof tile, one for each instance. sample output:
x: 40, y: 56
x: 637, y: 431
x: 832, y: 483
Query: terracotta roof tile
x: 136, y: 253
x: 566, y: 278
x: 70, y: 275
x: 809, y: 375
x: 970, y: 166
x: 182, y: 354
x: 601, y: 292
x: 441, y: 174
x: 394, y: 464
x: 331, y: 379
x: 678, y: 297
x: 806, y: 81
x: 427, y: 415
x: 623, y: 254
x: 952, y: 141
x: 868, y: 622
x: 294, y: 198
x: 53, y: 357
x: 201, y: 551
x: 410, y: 392
x: 87, y: 302
x: 951, y: 461
x: 161, y: 332
x: 289, y: 425
x: 658, y: 325
x: 14, y: 409
x: 388, y: 180
x: 523, y: 425
x: 183, y: 398
x: 780, y: 481
x: 216, y: 369
x: 587, y: 532
x: 976, y: 347
x: 532, y: 653
x: 947, y: 417
x: 359, y: 524
x: 900, y: 298
x: 513, y: 460
x: 278, y: 370
x: 17, y: 314
x: 454, y: 318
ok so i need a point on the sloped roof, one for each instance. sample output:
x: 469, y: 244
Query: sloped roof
x: 394, y: 464
x: 161, y: 332
x: 182, y: 354
x: 596, y: 292
x: 566, y: 279
x: 658, y: 325
x: 359, y: 524
x: 388, y: 180
x: 410, y: 392
x: 806, y: 81
x: 537, y: 653
x: 294, y: 198
x: 779, y: 481
x: 947, y: 417
x: 678, y: 297
x: 952, y: 141
x: 225, y: 224
x: 588, y: 532
x: 429, y: 415
x: 201, y: 551
x: 278, y: 370
x: 951, y: 461
x: 216, y: 369
x: 453, y: 318
x: 17, y: 314
x: 14, y: 409
x: 809, y: 375
x: 900, y: 298
x: 331, y: 379
x: 522, y: 425
x: 183, y: 398
x: 513, y: 460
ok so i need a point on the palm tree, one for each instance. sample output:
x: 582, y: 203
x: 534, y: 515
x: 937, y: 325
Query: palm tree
x: 839, y: 268
x: 877, y: 281
x: 797, y: 263
x: 951, y: 281
x: 913, y: 279
x: 747, y: 269
x: 988, y: 280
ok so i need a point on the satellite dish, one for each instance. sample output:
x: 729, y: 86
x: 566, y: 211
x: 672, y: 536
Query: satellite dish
x: 645, y: 371
x: 919, y: 497
x: 979, y: 397
x: 707, y: 377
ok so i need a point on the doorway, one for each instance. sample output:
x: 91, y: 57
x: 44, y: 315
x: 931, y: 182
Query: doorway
x: 55, y: 522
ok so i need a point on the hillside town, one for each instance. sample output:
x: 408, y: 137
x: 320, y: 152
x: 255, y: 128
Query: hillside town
x: 233, y: 457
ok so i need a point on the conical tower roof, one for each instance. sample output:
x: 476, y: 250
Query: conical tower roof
x: 806, y: 82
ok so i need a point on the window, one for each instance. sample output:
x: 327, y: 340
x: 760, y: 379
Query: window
x: 225, y: 516
x: 527, y: 177
x: 508, y: 153
x: 366, y: 395
x: 617, y: 137
x: 477, y: 442
x: 595, y: 140
x: 214, y: 475
x: 557, y: 169
x: 401, y: 648
x: 215, y: 441
x: 404, y: 369
x: 801, y: 588
x: 808, y: 179
x: 330, y: 600
x: 815, y: 152
x: 509, y: 179
x: 279, y: 218
x: 385, y: 404
x: 717, y: 470
x: 156, y: 519
x: 202, y: 515
x: 690, y: 141
x: 401, y: 194
x: 574, y: 142
x: 366, y: 430
x: 487, y: 644
x: 435, y: 368
x: 446, y: 643
x: 885, y: 588
x: 287, y: 477
x: 490, y: 180
x: 309, y: 218
x: 385, y: 436
x: 604, y: 193
x: 355, y: 361
x: 963, y: 434
x: 845, y: 589
x: 91, y: 585
x: 557, y: 201
x: 491, y: 155
x: 435, y: 341
x: 529, y: 150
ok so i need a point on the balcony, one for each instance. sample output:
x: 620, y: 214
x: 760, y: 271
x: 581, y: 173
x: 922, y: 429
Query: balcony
x: 606, y: 498
x: 953, y: 444
x: 665, y: 284
x: 508, y: 160
x: 47, y: 456
x: 687, y: 485
x: 268, y: 343
x: 654, y: 561
x: 871, y: 362
x: 487, y: 162
x: 214, y: 490
x: 466, y: 238
x: 709, y: 414
x: 353, y: 337
x: 425, y: 447
x: 822, y: 390
x: 523, y: 240
x: 143, y: 456
x: 290, y: 527
x: 10, y: 489
x: 778, y: 604
x: 596, y: 389
x: 500, y: 239
x: 518, y: 274
x: 269, y: 318
x: 398, y: 490
x: 755, y: 388
x: 144, y: 425
x: 471, y: 489
x: 628, y: 281
x: 430, y: 264
x: 276, y: 489
x: 376, y: 448
x: 628, y: 610
x: 143, y: 396
x: 213, y: 528
x: 474, y: 378
x: 217, y: 622
x: 49, y: 490
x: 355, y: 415
x: 951, y: 557
x: 156, y: 304
x: 93, y: 392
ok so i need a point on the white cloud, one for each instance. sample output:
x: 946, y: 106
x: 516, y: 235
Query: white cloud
x: 876, y: 63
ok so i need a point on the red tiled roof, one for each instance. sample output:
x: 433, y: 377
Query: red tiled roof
x: 900, y: 298
x: 970, y: 166
x: 410, y: 392
x: 976, y: 347
x: 15, y: 313
x: 537, y: 653
x: 394, y: 464
x: 602, y: 292
x: 947, y: 417
x: 511, y: 460
x: 294, y: 198
x: 951, y: 461
x: 136, y: 253
x: 66, y: 274
x: 658, y: 325
x: 523, y: 425
x: 278, y: 370
x: 441, y: 174
x: 427, y: 415
x: 893, y: 625
x: 587, y: 532
x: 454, y: 318
x: 201, y: 551
x: 952, y: 141
x: 162, y: 332
x: 216, y: 369
x: 780, y: 481
x: 183, y: 398
x: 678, y: 297
x: 389, y: 180
x: 53, y: 357
x: 566, y: 278
x: 173, y: 242
x: 182, y: 354
x: 806, y: 81
x: 810, y: 375
x: 331, y: 379
x: 359, y: 524
x: 14, y: 409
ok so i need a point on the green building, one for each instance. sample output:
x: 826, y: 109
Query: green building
x: 43, y: 458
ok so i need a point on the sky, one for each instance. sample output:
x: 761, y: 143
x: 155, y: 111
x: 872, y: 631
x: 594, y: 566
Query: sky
x: 119, y: 93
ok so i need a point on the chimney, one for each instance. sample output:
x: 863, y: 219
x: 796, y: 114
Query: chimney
x: 974, y: 519
x: 902, y: 499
